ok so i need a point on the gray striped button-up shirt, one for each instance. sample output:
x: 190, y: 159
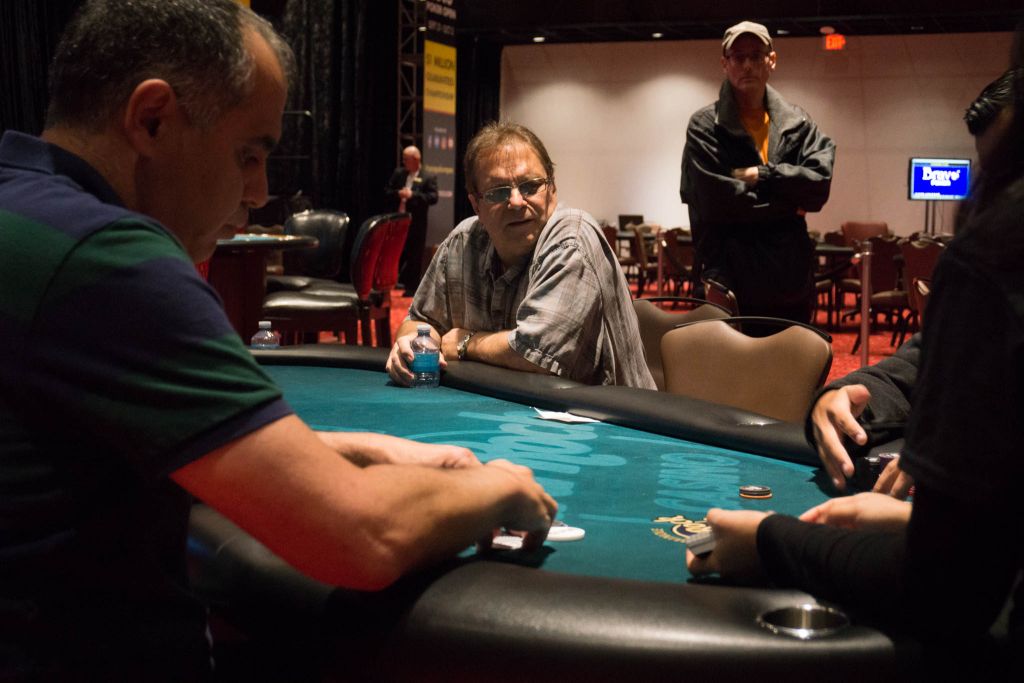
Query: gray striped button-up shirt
x: 567, y: 307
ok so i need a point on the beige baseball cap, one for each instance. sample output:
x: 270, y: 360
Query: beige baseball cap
x: 734, y: 32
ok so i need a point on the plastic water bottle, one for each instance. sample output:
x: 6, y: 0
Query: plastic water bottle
x: 265, y: 338
x: 426, y: 363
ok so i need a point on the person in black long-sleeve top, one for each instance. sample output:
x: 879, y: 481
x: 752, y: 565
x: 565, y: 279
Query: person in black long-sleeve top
x: 941, y: 569
x: 879, y: 395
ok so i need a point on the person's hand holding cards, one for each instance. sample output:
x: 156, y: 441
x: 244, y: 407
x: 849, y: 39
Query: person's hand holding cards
x: 530, y: 508
x: 734, y: 554
x: 558, y: 533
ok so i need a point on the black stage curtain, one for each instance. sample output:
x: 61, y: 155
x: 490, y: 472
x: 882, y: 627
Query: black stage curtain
x: 346, y: 53
x: 29, y: 30
x: 478, y: 74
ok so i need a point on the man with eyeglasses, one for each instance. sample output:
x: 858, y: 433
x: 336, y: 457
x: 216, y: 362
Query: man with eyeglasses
x: 753, y: 166
x: 525, y: 284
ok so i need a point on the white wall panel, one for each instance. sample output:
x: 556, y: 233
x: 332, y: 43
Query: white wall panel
x: 613, y: 115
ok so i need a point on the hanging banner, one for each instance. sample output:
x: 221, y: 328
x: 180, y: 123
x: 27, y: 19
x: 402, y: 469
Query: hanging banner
x: 439, y: 88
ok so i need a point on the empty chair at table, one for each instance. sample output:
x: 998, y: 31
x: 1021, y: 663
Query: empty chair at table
x: 654, y: 321
x: 776, y: 375
x: 646, y: 267
x: 306, y: 267
x: 889, y: 297
x: 919, y: 259
x: 343, y: 307
x: 625, y: 219
x: 855, y: 232
x: 676, y: 260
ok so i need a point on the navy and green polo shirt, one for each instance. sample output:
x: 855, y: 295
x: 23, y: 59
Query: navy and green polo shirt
x: 118, y: 366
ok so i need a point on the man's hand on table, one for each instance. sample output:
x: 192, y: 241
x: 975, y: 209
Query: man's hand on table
x: 833, y: 416
x: 735, y: 555
x: 432, y: 455
x: 401, y: 356
x: 893, y: 481
x: 366, y: 448
x: 868, y: 511
x: 531, y: 513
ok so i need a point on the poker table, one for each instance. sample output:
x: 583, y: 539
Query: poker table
x: 619, y: 603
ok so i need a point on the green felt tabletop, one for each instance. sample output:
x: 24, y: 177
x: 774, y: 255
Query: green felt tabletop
x: 631, y: 491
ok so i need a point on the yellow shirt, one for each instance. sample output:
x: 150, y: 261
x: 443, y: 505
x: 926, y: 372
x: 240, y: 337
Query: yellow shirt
x: 756, y: 126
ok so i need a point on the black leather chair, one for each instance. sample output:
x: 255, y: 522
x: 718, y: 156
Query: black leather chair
x: 376, y: 256
x: 888, y: 294
x: 306, y: 267
x: 341, y: 307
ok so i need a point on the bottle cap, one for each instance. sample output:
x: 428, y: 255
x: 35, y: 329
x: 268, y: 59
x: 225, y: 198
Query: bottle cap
x: 265, y: 325
x: 423, y: 328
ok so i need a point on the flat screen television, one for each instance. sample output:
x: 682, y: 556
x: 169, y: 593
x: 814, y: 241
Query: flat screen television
x: 939, y: 179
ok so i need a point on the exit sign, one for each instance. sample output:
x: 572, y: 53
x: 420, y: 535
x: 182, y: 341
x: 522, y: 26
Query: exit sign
x: 835, y: 41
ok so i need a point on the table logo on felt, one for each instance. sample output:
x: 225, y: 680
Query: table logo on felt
x: 682, y: 528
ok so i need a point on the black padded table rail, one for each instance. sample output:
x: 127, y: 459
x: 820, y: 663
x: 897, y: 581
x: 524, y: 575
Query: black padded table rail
x: 654, y: 411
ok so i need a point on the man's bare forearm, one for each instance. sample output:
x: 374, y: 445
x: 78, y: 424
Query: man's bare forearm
x: 493, y: 348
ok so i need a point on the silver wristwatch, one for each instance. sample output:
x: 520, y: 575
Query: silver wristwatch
x: 463, y: 345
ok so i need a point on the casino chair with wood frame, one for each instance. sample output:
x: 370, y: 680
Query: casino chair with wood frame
x: 676, y: 260
x: 776, y: 376
x: 719, y: 294
x: 654, y: 321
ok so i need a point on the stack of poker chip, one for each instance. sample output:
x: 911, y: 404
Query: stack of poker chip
x: 755, y: 492
x: 873, y: 466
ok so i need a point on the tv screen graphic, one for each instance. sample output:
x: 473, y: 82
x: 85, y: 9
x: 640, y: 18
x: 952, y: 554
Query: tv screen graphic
x: 939, y: 179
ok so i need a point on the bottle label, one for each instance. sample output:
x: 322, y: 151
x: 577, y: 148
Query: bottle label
x: 425, y: 362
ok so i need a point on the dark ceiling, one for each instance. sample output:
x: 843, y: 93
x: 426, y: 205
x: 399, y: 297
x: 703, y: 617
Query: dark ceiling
x: 574, y: 21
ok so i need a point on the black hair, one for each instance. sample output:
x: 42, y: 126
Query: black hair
x: 197, y: 46
x: 990, y: 102
x: 1006, y: 165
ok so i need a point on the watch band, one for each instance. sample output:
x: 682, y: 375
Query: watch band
x: 463, y: 345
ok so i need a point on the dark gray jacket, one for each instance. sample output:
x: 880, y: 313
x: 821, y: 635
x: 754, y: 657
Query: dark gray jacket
x: 755, y: 238
x: 890, y: 382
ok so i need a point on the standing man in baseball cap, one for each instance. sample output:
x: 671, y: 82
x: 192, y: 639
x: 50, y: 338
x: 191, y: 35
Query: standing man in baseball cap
x: 753, y: 166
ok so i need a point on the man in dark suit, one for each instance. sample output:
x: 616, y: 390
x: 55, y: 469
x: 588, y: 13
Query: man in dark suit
x: 411, y: 190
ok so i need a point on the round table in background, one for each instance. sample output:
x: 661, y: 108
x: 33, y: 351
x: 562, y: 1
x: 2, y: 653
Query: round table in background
x: 238, y: 271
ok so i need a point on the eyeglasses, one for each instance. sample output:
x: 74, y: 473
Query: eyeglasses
x: 740, y: 58
x: 527, y: 188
